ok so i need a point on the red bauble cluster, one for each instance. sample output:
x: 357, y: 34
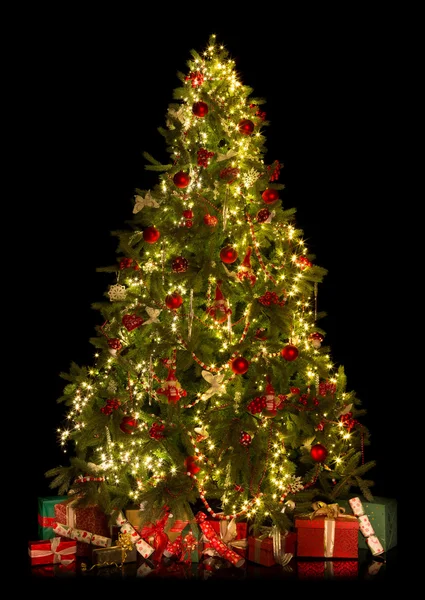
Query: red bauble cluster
x: 270, y: 298
x: 258, y: 113
x: 196, y: 78
x: 131, y: 322
x: 179, y: 264
x: 270, y: 196
x: 111, y: 405
x: 327, y: 387
x: 348, y: 421
x: 156, y: 432
x: 245, y: 439
x: 125, y: 263
x: 318, y: 453
x: 246, y: 126
x: 203, y: 157
x: 173, y: 300
x: 191, y: 466
x: 228, y: 255
x: 181, y: 179
x: 200, y: 109
x: 303, y: 262
x: 210, y: 220
x: 240, y: 365
x: 188, y: 215
x: 114, y: 344
x: 151, y: 235
x: 229, y: 174
x: 289, y: 352
x: 274, y: 170
x: 129, y: 424
x: 257, y: 405
x: 263, y: 215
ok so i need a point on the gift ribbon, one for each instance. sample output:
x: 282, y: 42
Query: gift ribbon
x: 217, y: 544
x: 124, y: 543
x: 46, y: 521
x: 279, y: 554
x: 53, y: 550
x: 365, y: 526
x: 156, y: 531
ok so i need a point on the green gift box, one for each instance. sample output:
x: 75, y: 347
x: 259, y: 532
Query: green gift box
x: 382, y: 513
x: 46, y: 515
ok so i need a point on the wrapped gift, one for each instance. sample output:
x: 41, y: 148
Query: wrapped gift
x: 133, y: 516
x: 114, y: 555
x: 57, y: 550
x: 327, y: 569
x: 382, y: 515
x: 184, y: 537
x: 46, y: 515
x: 267, y: 550
x: 217, y: 544
x: 327, y: 537
x: 89, y: 518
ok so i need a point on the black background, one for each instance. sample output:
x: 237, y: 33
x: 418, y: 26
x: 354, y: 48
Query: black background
x: 94, y: 91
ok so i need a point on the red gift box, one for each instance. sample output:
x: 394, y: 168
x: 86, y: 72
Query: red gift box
x: 260, y: 549
x: 327, y: 538
x: 89, y: 518
x: 56, y: 550
x: 327, y: 569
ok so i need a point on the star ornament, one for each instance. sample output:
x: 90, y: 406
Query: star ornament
x: 153, y: 315
x: 216, y: 383
x: 142, y: 202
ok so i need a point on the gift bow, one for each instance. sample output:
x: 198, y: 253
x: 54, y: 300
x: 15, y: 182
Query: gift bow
x: 280, y: 556
x: 57, y: 556
x: 228, y: 533
x: 329, y: 511
x: 156, y: 531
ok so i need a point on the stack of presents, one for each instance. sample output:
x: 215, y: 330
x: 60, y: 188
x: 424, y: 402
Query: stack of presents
x: 325, y: 542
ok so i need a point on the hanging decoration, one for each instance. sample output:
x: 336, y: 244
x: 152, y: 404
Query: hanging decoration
x: 245, y: 270
x: 141, y: 202
x: 219, y: 309
x: 117, y: 292
x: 131, y: 322
x: 171, y: 388
x: 216, y: 383
x: 181, y: 179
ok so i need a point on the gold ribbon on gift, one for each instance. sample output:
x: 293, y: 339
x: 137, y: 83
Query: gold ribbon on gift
x: 228, y: 533
x: 125, y: 543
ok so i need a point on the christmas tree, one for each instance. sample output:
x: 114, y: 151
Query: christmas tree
x: 212, y: 387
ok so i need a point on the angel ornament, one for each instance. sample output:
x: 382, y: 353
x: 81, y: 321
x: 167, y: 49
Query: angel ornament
x: 216, y: 383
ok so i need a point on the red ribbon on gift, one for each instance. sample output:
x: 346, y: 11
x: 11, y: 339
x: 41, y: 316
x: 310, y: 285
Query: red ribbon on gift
x: 156, y: 531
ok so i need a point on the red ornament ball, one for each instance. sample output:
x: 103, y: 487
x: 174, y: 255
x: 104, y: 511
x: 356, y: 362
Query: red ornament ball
x: 131, y: 322
x: 188, y: 214
x: 128, y: 424
x: 191, y: 466
x: 269, y: 196
x: 179, y: 264
x: 181, y: 179
x: 318, y: 453
x: 151, y: 235
x: 228, y: 255
x: 245, y: 439
x: 246, y: 126
x: 173, y: 300
x: 114, y: 344
x: 210, y: 220
x: 240, y: 365
x: 263, y: 215
x: 289, y: 352
x: 200, y: 109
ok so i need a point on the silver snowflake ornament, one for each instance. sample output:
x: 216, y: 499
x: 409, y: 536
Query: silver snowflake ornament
x: 117, y: 292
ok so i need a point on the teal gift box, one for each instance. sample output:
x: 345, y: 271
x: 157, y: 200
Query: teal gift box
x: 382, y: 513
x: 46, y: 515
